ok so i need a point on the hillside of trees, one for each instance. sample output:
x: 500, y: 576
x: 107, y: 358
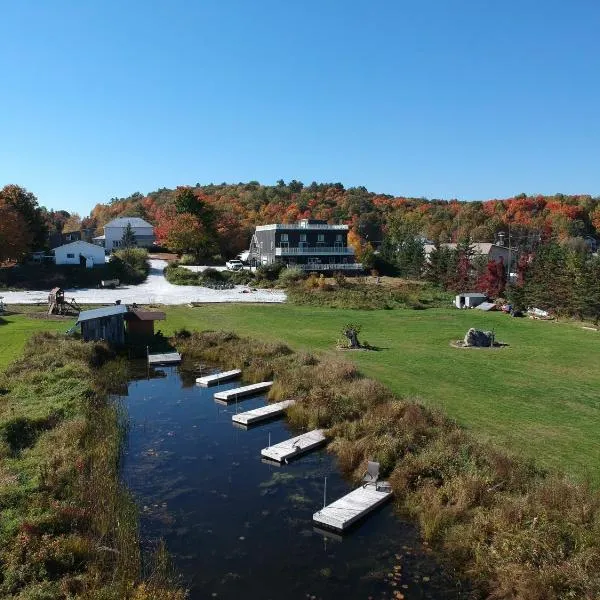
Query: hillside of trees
x: 231, y: 211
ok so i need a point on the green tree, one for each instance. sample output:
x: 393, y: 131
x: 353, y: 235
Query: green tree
x: 128, y: 239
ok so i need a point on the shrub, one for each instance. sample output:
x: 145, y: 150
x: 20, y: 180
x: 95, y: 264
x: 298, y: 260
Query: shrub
x: 129, y: 265
x: 188, y: 259
x: 291, y: 275
x: 180, y: 276
x: 269, y: 272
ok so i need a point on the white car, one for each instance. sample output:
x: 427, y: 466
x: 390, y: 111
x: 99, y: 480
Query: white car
x: 234, y: 265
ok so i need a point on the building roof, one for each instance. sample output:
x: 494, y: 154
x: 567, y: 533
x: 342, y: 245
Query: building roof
x: 301, y: 226
x: 478, y: 247
x: 78, y: 243
x: 473, y: 295
x: 99, y: 313
x: 145, y: 315
x: 100, y: 237
x: 133, y: 221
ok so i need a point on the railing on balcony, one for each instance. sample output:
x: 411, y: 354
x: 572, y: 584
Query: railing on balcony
x: 344, y: 250
x: 329, y: 267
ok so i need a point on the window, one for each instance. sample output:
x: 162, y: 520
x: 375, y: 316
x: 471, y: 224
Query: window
x: 302, y: 237
x: 321, y: 237
x: 284, y: 237
x: 338, y: 237
x: 70, y: 256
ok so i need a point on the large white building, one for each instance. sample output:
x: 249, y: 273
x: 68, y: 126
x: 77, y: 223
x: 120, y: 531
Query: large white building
x: 114, y: 230
x: 79, y: 252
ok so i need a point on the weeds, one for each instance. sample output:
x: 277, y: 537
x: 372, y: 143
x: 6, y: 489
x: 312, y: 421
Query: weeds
x: 514, y: 530
x: 68, y: 528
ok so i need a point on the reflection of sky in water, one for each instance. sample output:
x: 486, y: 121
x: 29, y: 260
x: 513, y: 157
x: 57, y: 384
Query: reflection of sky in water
x: 239, y: 528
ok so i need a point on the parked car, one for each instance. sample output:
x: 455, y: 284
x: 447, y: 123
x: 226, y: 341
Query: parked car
x: 234, y: 265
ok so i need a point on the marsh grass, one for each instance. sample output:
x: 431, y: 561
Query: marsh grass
x: 513, y: 529
x: 68, y: 528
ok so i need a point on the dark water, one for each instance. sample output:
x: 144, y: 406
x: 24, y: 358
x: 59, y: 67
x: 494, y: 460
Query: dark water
x: 240, y: 528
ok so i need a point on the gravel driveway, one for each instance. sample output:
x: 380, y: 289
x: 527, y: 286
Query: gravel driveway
x: 155, y: 290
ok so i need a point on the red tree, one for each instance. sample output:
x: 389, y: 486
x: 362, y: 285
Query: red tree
x: 493, y: 281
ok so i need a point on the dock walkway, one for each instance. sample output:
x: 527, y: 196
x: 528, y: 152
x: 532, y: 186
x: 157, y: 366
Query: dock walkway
x: 295, y: 446
x: 270, y: 411
x: 218, y: 377
x: 247, y: 390
x: 342, y: 513
x: 165, y: 358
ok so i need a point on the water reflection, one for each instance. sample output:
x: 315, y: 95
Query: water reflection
x: 238, y: 527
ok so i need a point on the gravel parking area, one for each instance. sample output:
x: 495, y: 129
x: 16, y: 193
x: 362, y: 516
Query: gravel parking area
x: 155, y: 290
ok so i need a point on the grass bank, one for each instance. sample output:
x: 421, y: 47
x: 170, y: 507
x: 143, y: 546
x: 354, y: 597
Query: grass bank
x: 513, y: 529
x: 538, y: 396
x: 68, y: 528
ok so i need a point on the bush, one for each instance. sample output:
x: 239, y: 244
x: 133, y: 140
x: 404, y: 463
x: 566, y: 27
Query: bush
x: 180, y: 276
x: 269, y: 272
x: 129, y: 265
x: 188, y: 259
x: 291, y: 275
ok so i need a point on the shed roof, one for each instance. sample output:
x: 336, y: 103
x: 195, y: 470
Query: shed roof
x: 145, y: 315
x: 473, y: 295
x: 133, y: 221
x: 98, y: 313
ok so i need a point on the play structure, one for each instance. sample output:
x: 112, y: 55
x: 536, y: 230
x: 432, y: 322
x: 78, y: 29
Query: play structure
x: 59, y: 305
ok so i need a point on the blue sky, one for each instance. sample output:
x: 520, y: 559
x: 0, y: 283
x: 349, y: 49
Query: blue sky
x: 439, y: 98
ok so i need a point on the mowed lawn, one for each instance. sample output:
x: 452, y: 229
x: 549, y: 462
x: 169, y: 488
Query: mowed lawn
x: 15, y: 330
x: 540, y: 396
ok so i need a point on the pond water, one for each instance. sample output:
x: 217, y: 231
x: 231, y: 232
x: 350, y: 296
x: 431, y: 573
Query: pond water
x: 237, y: 527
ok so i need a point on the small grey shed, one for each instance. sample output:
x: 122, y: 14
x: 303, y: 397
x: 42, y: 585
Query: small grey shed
x: 103, y: 324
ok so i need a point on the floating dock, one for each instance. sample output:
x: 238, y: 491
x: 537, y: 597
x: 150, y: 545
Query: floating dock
x: 218, y: 377
x: 263, y: 413
x: 247, y: 390
x: 295, y: 446
x: 342, y: 513
x: 166, y: 358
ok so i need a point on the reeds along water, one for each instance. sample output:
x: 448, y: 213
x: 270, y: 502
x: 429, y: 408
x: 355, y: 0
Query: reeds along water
x: 515, y: 529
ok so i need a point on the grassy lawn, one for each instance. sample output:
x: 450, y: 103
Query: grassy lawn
x: 15, y: 331
x: 540, y: 396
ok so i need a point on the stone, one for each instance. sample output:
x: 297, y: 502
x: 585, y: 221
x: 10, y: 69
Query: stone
x: 479, y: 338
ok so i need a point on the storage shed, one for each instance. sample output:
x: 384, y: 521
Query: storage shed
x: 141, y: 322
x: 469, y: 300
x: 103, y: 324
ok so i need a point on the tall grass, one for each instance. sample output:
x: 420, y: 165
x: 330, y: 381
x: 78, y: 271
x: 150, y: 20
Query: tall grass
x: 69, y: 528
x: 513, y: 529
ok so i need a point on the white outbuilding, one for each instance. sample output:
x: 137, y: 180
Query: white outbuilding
x: 79, y: 252
x: 470, y: 300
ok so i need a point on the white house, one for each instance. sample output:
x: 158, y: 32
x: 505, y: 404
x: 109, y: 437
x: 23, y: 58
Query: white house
x: 114, y: 230
x: 70, y: 254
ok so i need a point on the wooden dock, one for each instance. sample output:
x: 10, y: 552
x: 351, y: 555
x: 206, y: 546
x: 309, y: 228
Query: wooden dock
x: 270, y: 411
x: 247, y: 390
x: 295, y: 446
x: 166, y: 358
x: 342, y: 513
x: 218, y: 377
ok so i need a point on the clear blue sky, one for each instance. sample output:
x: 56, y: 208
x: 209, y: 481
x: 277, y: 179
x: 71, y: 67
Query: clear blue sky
x: 440, y: 98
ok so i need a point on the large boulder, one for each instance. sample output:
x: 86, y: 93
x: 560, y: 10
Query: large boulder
x: 479, y: 338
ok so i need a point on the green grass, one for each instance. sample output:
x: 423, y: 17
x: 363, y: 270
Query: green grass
x: 15, y: 330
x: 538, y: 396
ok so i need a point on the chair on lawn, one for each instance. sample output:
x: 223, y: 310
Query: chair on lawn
x: 371, y: 477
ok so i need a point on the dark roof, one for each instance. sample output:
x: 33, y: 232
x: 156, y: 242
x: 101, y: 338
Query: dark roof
x: 133, y: 221
x: 145, y: 315
x: 98, y: 313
